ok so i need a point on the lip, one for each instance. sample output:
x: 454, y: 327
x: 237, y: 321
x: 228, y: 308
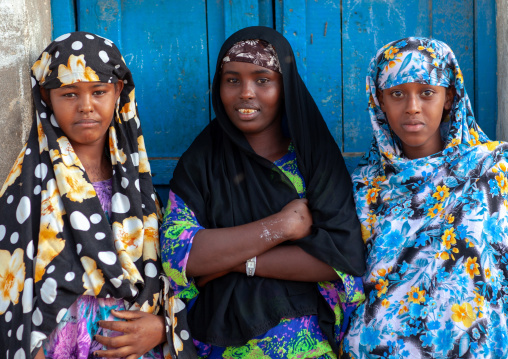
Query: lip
x: 413, y: 126
x: 87, y: 122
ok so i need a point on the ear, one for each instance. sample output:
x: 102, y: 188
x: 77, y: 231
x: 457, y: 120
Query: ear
x: 450, y: 95
x: 379, y: 95
x: 118, y: 88
x: 45, y: 96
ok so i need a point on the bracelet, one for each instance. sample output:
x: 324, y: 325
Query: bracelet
x: 250, y: 266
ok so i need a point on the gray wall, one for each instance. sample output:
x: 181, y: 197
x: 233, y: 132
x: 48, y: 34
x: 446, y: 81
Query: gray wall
x: 502, y: 69
x: 25, y: 30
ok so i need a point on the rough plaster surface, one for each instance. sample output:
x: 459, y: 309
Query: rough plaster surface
x: 502, y: 69
x: 25, y: 30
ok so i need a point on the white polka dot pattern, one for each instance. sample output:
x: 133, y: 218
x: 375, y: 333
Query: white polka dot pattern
x: 48, y: 291
x: 79, y: 221
x: 120, y: 203
x: 108, y: 258
x: 77, y: 45
x: 27, y: 298
x: 95, y: 218
x: 104, y: 56
x: 23, y: 210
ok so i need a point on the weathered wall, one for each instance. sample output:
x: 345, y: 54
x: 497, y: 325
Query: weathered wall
x: 502, y: 69
x: 25, y: 30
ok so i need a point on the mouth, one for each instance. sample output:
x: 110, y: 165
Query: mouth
x: 87, y: 122
x: 413, y: 126
x: 247, y: 111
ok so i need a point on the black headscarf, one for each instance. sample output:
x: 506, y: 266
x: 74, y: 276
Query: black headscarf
x: 225, y: 183
x: 56, y: 242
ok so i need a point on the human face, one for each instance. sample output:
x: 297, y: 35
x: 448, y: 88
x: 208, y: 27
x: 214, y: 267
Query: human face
x: 252, y: 96
x: 84, y: 110
x: 414, y: 112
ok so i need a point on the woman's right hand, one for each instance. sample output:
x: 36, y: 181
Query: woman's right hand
x: 297, y: 218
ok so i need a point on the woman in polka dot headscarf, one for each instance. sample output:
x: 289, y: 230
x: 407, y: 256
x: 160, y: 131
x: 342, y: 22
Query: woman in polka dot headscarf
x: 79, y: 216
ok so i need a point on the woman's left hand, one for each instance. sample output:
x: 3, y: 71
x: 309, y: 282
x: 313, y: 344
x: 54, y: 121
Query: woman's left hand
x: 141, y: 332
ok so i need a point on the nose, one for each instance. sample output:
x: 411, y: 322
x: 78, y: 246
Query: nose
x: 85, y: 104
x: 247, y: 91
x: 414, y: 105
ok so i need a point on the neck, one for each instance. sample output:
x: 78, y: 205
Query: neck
x: 271, y: 144
x: 97, y: 165
x: 422, y: 151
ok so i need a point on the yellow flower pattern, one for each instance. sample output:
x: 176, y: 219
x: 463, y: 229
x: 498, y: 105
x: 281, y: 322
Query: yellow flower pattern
x: 12, y: 277
x: 76, y: 71
x: 50, y: 245
x: 40, y: 68
x: 144, y: 165
x: 93, y: 279
x: 15, y: 171
x: 463, y: 314
x: 72, y: 184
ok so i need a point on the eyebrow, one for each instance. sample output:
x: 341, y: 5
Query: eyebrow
x: 73, y: 86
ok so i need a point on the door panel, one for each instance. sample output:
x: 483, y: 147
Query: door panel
x: 171, y: 46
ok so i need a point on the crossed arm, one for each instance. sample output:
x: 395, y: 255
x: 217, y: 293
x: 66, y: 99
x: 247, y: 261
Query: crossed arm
x: 216, y: 252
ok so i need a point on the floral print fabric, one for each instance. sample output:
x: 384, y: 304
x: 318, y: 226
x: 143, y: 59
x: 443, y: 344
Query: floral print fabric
x: 56, y: 242
x: 436, y: 228
x: 292, y: 337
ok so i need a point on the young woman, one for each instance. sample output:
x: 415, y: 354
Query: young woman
x: 432, y: 198
x: 79, y: 225
x: 260, y: 239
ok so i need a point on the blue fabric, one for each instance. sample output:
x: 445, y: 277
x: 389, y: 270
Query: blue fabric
x: 436, y: 228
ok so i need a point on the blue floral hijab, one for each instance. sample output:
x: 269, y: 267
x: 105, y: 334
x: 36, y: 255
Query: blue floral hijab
x: 436, y: 228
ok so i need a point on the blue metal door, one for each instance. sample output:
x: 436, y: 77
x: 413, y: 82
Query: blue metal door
x: 171, y: 47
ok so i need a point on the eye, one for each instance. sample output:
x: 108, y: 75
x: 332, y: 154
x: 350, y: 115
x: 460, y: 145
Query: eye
x: 428, y: 93
x: 99, y: 92
x: 263, y: 80
x: 232, y: 80
x: 69, y: 94
x: 396, y: 94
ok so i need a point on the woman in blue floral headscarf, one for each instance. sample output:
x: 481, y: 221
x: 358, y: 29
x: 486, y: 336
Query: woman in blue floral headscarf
x: 432, y: 198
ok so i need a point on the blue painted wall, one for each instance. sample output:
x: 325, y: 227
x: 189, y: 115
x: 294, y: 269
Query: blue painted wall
x: 171, y: 47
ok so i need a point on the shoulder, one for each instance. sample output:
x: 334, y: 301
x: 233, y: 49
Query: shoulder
x: 196, y: 162
x: 203, y: 146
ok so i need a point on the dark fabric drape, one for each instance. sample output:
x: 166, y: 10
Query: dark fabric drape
x: 226, y: 184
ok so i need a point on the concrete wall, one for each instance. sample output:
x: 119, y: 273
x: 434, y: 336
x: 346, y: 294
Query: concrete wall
x: 25, y: 30
x: 502, y: 69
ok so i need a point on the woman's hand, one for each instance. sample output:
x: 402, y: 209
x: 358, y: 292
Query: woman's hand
x: 141, y: 332
x: 297, y: 218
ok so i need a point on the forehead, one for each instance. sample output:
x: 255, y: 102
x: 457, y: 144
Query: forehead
x: 415, y: 86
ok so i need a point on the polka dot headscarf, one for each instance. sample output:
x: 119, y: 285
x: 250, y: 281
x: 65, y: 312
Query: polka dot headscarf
x: 56, y: 243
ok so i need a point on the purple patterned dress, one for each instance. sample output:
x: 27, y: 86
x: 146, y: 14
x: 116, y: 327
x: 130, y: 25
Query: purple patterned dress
x: 73, y: 337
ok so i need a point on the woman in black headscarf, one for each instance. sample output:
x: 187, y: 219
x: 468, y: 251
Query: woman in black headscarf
x: 260, y: 239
